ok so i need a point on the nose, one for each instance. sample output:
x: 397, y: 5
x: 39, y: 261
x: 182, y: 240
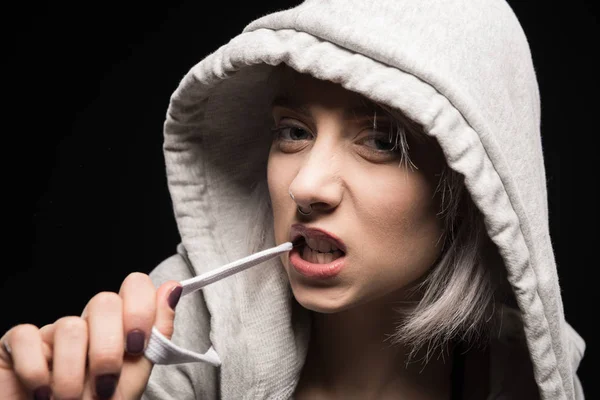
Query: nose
x: 318, y: 185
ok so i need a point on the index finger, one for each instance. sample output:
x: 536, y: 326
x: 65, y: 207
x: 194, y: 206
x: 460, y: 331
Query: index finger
x: 139, y: 311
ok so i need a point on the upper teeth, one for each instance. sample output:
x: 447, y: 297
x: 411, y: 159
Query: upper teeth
x: 320, y: 245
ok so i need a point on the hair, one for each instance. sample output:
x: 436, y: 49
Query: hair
x: 455, y: 300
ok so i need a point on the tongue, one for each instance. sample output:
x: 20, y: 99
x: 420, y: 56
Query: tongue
x: 317, y: 257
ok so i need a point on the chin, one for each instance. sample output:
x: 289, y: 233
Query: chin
x: 322, y: 299
x: 321, y: 308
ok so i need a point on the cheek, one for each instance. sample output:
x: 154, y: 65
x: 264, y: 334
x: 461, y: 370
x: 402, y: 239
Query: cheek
x: 279, y: 178
x: 397, y: 196
x: 400, y: 215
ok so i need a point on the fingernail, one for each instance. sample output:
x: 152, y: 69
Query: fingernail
x: 106, y: 385
x: 135, y: 342
x: 42, y: 393
x: 174, y: 296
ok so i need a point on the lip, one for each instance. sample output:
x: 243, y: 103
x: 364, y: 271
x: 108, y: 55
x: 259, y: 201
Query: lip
x: 298, y: 230
x: 311, y: 270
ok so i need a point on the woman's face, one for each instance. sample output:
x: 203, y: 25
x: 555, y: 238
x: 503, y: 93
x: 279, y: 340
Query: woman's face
x: 365, y: 199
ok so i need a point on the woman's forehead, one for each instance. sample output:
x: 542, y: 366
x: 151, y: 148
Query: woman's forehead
x: 299, y: 91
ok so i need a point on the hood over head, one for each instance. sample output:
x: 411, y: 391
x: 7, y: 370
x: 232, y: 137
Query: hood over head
x: 461, y: 69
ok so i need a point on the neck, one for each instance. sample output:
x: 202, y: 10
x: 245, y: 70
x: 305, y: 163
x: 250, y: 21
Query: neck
x: 350, y: 356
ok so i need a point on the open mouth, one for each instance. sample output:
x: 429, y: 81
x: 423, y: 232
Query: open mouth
x: 317, y: 251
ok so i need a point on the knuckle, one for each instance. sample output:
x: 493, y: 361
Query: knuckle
x: 25, y: 329
x: 48, y: 325
x: 72, y: 327
x: 105, y: 300
x: 137, y: 277
x: 23, y: 332
x: 71, y: 323
x: 138, y: 283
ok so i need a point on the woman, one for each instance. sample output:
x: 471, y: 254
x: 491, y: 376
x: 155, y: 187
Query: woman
x: 397, y: 146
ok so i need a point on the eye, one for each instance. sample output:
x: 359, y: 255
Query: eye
x: 291, y: 133
x: 382, y: 147
x: 380, y: 143
x: 291, y: 138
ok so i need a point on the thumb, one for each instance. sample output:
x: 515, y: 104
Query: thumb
x: 167, y: 297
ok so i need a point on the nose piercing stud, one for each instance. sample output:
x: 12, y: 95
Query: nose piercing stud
x: 300, y: 210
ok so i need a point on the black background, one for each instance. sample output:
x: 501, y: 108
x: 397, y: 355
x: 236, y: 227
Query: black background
x: 86, y: 89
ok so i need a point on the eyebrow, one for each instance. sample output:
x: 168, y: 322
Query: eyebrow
x: 367, y: 110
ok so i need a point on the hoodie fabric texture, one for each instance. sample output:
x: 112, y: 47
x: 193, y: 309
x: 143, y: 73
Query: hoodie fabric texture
x: 462, y: 69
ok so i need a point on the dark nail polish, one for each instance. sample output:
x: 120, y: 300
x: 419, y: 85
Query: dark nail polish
x: 174, y: 296
x: 42, y: 393
x: 135, y: 342
x: 106, y: 385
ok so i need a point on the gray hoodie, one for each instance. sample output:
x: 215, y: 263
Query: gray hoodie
x: 462, y: 69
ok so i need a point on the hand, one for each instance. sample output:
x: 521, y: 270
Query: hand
x: 97, y: 355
